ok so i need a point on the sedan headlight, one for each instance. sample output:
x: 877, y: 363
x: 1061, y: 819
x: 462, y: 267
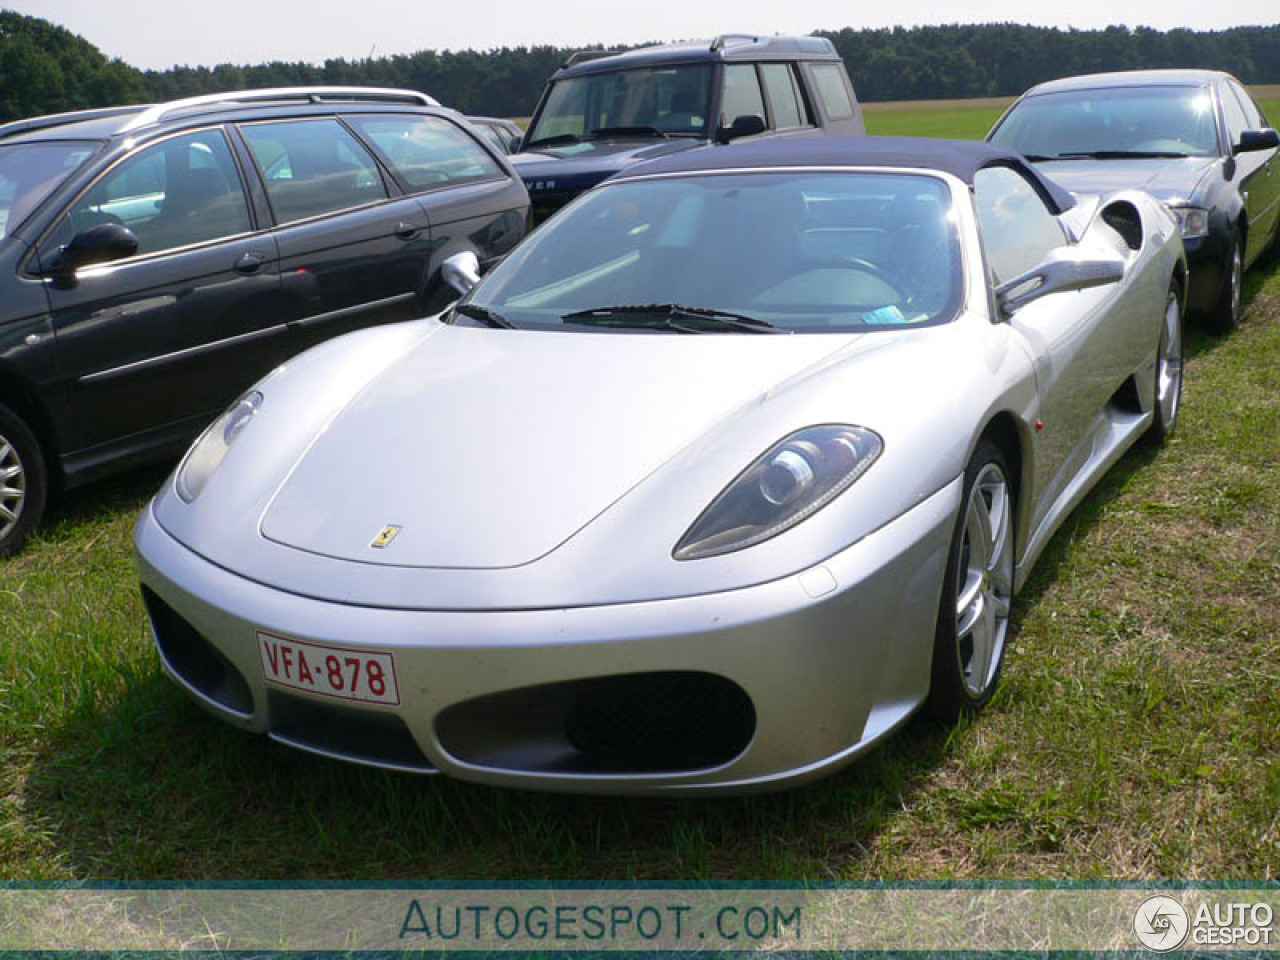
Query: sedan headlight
x: 1192, y: 222
x: 793, y: 480
x: 213, y: 445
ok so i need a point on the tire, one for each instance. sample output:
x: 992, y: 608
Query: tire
x: 1168, y: 379
x: 1225, y: 315
x: 977, y: 588
x: 23, y: 482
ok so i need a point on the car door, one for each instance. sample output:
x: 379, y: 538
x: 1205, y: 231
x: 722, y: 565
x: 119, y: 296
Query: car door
x: 1080, y: 341
x: 353, y: 250
x: 470, y: 199
x: 155, y: 343
x: 769, y: 91
x: 1259, y: 170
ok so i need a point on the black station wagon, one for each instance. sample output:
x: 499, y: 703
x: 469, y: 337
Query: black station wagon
x: 155, y: 261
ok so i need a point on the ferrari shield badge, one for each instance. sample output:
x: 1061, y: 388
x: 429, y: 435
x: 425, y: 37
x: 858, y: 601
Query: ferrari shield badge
x: 385, y: 536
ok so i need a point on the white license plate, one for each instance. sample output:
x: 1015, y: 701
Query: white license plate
x: 340, y: 672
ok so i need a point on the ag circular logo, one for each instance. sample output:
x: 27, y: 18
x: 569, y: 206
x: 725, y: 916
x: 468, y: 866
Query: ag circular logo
x: 1161, y: 923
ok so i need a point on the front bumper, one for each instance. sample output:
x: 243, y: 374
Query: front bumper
x: 831, y: 659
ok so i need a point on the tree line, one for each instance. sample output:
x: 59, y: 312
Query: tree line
x: 45, y: 68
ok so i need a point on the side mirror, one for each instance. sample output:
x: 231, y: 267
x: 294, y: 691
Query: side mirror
x: 1063, y: 269
x: 513, y: 145
x: 747, y: 125
x: 101, y: 244
x: 461, y: 271
x: 1252, y: 140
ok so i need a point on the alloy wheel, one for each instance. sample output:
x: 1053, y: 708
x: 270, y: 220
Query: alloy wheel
x: 13, y: 487
x: 1169, y: 363
x: 984, y: 575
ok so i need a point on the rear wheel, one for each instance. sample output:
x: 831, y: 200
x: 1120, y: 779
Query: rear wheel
x: 22, y: 482
x: 977, y: 590
x: 1168, y: 392
x: 1226, y: 313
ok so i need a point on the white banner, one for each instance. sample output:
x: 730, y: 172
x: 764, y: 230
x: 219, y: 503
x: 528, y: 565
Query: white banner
x: 572, y: 918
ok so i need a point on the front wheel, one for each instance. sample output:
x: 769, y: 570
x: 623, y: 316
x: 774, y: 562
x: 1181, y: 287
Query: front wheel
x: 977, y: 590
x: 22, y: 482
x: 1168, y: 392
x: 1226, y: 313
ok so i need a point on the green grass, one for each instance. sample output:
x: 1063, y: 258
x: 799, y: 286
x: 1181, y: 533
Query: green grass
x: 966, y: 120
x: 1136, y: 733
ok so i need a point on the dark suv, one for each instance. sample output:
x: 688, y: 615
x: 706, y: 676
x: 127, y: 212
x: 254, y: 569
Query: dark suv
x: 155, y: 261
x: 603, y: 112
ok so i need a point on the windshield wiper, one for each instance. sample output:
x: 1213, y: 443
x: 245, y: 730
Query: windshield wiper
x: 1120, y: 155
x: 640, y: 131
x: 671, y: 316
x: 490, y: 318
x: 558, y: 138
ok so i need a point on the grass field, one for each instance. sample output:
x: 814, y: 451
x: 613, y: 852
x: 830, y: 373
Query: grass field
x: 1136, y: 733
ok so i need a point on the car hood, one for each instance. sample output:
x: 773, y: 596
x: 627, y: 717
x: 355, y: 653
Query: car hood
x: 1169, y: 180
x: 579, y: 166
x: 488, y: 449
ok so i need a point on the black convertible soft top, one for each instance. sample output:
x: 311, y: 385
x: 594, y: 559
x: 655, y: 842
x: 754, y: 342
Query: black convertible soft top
x: 961, y: 158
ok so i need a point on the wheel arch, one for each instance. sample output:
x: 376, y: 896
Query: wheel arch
x: 19, y: 396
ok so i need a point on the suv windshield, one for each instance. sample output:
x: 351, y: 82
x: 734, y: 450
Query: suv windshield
x: 660, y: 101
x: 30, y: 171
x: 737, y: 253
x: 1139, y: 121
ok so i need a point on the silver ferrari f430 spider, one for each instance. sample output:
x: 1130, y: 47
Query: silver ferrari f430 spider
x: 720, y: 475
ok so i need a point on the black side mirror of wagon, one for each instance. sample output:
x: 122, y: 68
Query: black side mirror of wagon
x: 747, y: 125
x: 99, y: 244
x: 1251, y: 140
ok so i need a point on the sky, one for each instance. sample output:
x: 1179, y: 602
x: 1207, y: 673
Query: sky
x: 159, y: 33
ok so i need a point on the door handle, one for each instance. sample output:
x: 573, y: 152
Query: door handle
x: 406, y: 230
x: 249, y: 263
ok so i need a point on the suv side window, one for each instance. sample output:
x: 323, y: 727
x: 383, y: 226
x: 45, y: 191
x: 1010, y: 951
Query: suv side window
x: 1017, y: 228
x: 742, y: 95
x: 427, y: 151
x: 313, y: 167
x: 176, y: 193
x: 829, y: 80
x: 788, y: 106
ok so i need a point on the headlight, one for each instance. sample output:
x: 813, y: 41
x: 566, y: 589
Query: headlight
x: 213, y: 445
x: 794, y: 479
x: 1192, y: 222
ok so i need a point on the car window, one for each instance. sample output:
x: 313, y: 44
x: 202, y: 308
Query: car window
x: 829, y: 78
x: 29, y: 172
x: 842, y: 251
x: 313, y: 167
x: 1254, y: 116
x: 427, y: 151
x: 1017, y: 228
x: 1176, y: 120
x: 1233, y: 113
x: 182, y: 191
x: 788, y: 110
x: 671, y: 99
x: 742, y: 96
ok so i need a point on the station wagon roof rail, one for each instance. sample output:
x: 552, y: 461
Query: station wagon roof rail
x: 59, y: 119
x: 160, y: 111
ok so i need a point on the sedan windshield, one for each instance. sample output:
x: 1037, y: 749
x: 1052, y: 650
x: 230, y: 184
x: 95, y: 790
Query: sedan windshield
x: 30, y: 171
x: 737, y: 253
x: 1112, y: 122
x: 657, y: 102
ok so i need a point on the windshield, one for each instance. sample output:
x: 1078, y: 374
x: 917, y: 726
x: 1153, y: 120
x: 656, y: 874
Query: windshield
x: 30, y: 171
x: 803, y: 252
x: 1161, y: 121
x: 651, y: 102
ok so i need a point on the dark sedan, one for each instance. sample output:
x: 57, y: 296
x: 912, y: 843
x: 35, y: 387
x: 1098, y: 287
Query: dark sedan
x: 1193, y: 138
x: 156, y: 261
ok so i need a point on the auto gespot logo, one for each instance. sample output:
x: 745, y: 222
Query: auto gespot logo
x: 1163, y: 923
